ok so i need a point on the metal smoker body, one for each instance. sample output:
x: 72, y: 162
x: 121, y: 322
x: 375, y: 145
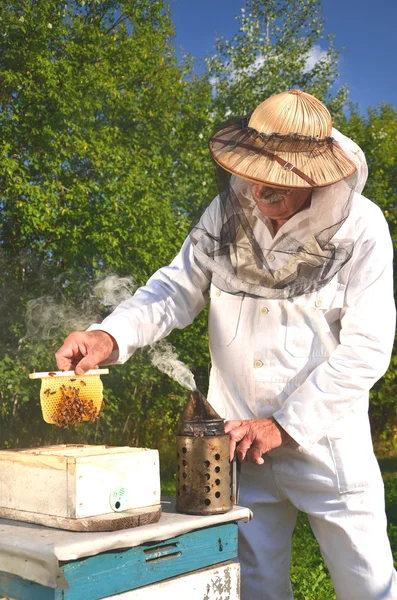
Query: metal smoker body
x: 204, y: 472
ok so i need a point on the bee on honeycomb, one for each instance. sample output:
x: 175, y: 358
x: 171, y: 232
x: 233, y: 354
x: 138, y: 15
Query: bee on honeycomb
x: 71, y: 409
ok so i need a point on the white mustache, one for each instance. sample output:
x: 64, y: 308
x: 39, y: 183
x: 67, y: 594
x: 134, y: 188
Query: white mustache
x: 271, y: 198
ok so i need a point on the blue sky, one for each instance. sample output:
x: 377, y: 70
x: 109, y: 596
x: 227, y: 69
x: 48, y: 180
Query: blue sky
x: 364, y: 30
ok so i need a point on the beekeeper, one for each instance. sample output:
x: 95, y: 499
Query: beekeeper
x: 297, y: 266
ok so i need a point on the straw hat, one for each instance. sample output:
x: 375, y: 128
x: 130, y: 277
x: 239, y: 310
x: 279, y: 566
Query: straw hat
x: 286, y: 142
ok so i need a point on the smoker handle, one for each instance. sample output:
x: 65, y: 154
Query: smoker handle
x: 236, y: 471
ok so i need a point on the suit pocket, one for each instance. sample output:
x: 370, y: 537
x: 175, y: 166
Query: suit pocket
x: 309, y: 319
x: 355, y: 464
x: 307, y: 332
x: 224, y: 317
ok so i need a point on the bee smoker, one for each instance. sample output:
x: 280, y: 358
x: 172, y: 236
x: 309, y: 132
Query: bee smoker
x: 204, y: 473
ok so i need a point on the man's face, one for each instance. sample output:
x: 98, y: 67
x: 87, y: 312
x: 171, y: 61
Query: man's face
x: 279, y: 204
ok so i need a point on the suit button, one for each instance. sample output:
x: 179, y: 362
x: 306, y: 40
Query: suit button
x: 264, y: 310
x: 271, y: 257
x: 319, y: 303
x: 258, y: 364
x: 218, y: 292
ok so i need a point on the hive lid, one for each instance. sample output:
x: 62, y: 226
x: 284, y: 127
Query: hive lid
x: 69, y: 450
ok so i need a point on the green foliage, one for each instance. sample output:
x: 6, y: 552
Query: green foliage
x: 309, y: 575
x: 83, y: 155
x: 376, y: 133
x: 273, y: 52
x: 389, y: 470
x: 102, y: 168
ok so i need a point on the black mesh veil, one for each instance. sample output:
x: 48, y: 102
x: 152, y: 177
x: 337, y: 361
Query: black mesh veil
x: 235, y: 247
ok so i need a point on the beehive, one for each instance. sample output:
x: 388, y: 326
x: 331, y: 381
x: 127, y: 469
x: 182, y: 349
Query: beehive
x: 79, y: 487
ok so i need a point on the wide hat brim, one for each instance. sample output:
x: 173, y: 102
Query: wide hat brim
x: 284, y: 161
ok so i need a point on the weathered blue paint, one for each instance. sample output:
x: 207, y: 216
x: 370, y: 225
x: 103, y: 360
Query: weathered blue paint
x: 119, y: 571
x: 12, y: 586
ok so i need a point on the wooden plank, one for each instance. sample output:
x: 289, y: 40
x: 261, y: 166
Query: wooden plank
x: 65, y: 451
x: 110, y: 522
x: 79, y: 452
x: 22, y: 589
x: 32, y: 488
x: 35, y: 459
x: 221, y: 582
x: 119, y: 571
x: 217, y: 583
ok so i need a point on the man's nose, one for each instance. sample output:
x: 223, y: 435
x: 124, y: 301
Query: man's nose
x: 262, y: 191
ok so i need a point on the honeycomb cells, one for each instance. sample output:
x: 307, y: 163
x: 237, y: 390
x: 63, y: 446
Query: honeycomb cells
x: 69, y: 400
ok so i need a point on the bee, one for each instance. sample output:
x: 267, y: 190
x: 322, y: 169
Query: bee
x: 53, y: 392
x: 72, y: 379
x: 47, y: 392
x: 72, y: 409
x: 82, y: 382
x: 51, y: 373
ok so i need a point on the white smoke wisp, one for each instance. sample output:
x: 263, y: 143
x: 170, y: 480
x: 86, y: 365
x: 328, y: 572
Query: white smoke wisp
x: 164, y: 357
x: 113, y: 289
x: 44, y: 318
x: 47, y: 315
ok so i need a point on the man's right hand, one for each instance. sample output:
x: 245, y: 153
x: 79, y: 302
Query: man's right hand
x: 84, y: 350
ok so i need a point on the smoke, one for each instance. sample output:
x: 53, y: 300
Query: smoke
x: 46, y: 316
x: 164, y: 357
x: 113, y: 289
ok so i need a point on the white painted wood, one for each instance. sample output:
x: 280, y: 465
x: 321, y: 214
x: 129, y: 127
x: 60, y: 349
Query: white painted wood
x: 66, y: 451
x: 221, y: 582
x: 76, y: 481
x: 66, y: 373
x: 137, y: 473
x: 35, y: 486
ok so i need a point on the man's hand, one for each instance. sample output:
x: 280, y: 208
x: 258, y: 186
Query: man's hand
x: 84, y: 350
x: 252, y: 438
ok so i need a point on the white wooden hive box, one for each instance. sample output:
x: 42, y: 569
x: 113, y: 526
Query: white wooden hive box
x: 82, y: 488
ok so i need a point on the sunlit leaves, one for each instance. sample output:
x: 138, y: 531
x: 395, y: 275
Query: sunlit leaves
x: 279, y: 45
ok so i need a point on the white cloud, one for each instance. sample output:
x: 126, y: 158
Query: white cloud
x: 314, y: 55
x: 257, y: 64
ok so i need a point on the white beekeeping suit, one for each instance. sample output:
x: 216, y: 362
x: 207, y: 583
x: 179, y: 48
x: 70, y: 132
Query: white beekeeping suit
x: 301, y: 326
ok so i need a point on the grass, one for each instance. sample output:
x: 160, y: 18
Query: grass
x: 309, y: 575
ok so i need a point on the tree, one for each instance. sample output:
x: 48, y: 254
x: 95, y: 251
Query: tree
x: 276, y: 48
x: 94, y: 174
x: 376, y: 133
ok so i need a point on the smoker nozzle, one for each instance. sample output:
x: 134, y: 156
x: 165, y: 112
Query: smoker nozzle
x: 199, y: 418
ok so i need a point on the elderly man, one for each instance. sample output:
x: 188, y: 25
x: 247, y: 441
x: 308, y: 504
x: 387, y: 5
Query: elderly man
x: 298, y: 269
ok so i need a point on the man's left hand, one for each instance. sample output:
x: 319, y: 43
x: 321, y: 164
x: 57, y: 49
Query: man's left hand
x: 252, y: 438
